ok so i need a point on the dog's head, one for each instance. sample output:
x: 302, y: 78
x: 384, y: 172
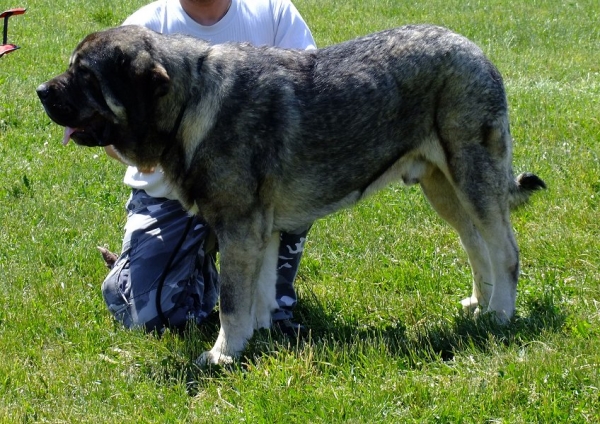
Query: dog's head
x: 110, y: 94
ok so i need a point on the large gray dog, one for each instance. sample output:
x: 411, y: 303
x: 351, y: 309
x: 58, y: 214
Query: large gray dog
x: 260, y: 140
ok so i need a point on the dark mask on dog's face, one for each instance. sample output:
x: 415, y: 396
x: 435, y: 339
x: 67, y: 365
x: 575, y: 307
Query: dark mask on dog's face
x: 108, y: 93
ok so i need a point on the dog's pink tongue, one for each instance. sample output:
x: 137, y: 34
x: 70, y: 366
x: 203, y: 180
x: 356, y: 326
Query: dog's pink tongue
x: 68, y: 132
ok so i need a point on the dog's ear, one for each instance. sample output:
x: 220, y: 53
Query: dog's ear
x: 150, y: 74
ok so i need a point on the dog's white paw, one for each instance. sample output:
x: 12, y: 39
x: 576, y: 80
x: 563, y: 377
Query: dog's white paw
x: 499, y: 317
x: 470, y: 305
x: 502, y: 309
x: 214, y: 358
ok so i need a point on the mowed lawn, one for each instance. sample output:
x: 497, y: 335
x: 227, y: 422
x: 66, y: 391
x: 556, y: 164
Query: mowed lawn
x: 379, y: 284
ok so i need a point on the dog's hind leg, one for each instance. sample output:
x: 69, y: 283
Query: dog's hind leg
x: 443, y: 199
x: 481, y: 181
x: 504, y: 257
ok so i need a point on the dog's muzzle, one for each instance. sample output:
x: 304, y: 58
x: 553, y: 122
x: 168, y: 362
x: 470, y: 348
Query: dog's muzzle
x: 91, y: 132
x: 59, y: 111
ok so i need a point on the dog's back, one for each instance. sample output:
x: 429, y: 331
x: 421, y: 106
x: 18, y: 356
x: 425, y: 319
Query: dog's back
x: 388, y: 106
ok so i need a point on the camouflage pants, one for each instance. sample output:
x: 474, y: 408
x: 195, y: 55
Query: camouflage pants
x: 191, y: 287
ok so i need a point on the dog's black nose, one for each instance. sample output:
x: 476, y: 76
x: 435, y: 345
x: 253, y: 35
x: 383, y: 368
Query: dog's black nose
x: 42, y: 91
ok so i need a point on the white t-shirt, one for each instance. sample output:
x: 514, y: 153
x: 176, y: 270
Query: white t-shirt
x: 260, y: 22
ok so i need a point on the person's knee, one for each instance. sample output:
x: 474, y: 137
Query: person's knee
x: 116, y: 290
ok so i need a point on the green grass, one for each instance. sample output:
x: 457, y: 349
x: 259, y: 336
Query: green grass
x: 379, y: 285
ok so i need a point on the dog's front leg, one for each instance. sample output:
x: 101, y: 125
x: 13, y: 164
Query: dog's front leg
x: 265, y: 295
x: 239, y: 270
x: 242, y: 251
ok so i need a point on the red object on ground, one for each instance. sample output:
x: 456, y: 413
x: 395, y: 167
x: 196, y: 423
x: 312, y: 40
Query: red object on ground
x: 7, y: 48
x: 15, y: 11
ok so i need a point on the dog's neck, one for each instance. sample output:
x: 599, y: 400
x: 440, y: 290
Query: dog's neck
x: 173, y: 134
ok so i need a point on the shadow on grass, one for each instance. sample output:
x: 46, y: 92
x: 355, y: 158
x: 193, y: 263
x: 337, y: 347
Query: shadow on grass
x: 442, y: 339
x: 426, y: 342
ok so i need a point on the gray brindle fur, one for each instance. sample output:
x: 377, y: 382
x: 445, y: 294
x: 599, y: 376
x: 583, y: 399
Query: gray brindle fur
x: 258, y: 140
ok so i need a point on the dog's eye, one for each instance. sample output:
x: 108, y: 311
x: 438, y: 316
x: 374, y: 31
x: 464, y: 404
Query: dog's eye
x: 84, y: 72
x: 87, y: 75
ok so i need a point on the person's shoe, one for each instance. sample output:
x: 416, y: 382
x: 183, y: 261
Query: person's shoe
x: 289, y: 328
x: 109, y: 257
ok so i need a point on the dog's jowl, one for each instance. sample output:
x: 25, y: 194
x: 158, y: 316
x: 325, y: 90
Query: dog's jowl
x: 259, y: 140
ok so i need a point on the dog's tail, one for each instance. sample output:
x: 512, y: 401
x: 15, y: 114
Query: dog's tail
x: 525, y: 185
